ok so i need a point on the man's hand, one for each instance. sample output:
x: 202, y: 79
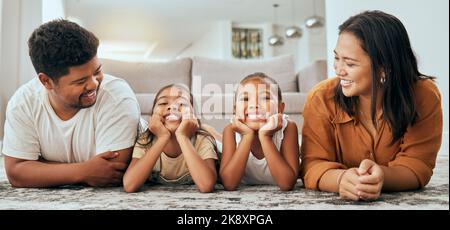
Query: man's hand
x: 100, y: 171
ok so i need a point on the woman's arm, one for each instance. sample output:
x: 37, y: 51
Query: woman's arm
x: 318, y: 148
x: 413, y: 166
x: 232, y: 167
x: 283, y: 166
x: 140, y: 168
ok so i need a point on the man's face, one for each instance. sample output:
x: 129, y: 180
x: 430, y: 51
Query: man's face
x: 78, y: 89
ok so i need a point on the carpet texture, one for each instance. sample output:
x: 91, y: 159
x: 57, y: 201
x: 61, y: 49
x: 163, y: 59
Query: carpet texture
x: 434, y: 196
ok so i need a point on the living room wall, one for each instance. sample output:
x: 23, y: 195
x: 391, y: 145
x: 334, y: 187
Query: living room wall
x: 427, y: 23
x: 18, y: 20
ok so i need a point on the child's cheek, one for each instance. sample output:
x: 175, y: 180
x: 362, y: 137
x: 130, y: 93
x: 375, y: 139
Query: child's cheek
x: 240, y: 111
x: 157, y: 111
x: 272, y: 108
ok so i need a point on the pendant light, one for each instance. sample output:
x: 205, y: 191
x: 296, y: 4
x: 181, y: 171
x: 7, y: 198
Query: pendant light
x: 315, y: 21
x: 275, y: 40
x: 293, y: 31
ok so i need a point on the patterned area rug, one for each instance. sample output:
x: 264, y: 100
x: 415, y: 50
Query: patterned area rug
x: 434, y: 196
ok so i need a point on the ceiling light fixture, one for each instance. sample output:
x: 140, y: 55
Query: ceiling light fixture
x: 275, y: 40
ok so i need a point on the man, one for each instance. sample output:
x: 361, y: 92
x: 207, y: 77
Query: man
x: 71, y: 124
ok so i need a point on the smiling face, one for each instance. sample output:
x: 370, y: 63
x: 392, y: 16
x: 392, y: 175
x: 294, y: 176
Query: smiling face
x: 171, y: 103
x: 256, y: 101
x: 353, y: 66
x: 75, y: 90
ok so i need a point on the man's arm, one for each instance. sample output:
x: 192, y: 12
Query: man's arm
x: 29, y: 173
x: 105, y: 169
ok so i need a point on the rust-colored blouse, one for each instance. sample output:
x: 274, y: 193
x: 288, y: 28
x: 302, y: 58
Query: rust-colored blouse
x: 331, y: 139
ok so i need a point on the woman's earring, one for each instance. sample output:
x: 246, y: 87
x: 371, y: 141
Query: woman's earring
x: 383, y: 78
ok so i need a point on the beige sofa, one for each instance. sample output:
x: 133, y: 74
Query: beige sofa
x: 211, y: 82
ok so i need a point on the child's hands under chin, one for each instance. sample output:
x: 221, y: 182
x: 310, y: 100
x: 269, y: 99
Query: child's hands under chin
x: 188, y: 126
x: 240, y: 127
x: 157, y: 127
x: 273, y: 124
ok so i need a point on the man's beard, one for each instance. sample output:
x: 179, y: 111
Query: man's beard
x: 79, y: 105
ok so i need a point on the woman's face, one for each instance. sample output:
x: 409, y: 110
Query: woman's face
x: 353, y: 66
x: 255, y: 102
x: 171, y: 104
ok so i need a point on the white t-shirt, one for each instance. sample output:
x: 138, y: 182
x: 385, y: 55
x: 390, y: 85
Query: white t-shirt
x: 33, y: 130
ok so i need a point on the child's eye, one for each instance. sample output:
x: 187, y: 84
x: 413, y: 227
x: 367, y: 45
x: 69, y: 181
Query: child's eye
x: 162, y: 103
x: 243, y: 99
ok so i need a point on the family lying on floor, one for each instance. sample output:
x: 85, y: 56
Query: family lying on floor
x: 376, y: 126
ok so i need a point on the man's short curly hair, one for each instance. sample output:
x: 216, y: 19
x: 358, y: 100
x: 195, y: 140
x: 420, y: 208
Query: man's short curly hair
x: 59, y: 44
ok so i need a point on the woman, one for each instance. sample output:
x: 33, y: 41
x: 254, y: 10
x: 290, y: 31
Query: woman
x: 377, y: 126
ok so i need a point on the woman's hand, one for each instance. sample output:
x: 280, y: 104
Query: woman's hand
x: 347, y: 188
x: 273, y: 124
x: 371, y: 179
x: 363, y: 183
x: 157, y: 127
x: 241, y: 128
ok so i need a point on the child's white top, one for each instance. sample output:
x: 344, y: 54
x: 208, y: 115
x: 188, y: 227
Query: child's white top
x: 257, y: 170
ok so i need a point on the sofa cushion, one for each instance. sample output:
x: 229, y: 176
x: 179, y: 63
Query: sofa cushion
x: 294, y: 102
x: 149, y: 77
x: 145, y: 101
x: 222, y: 72
x: 312, y: 74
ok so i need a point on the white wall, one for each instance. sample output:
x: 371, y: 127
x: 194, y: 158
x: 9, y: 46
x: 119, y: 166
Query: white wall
x: 311, y: 46
x: 216, y: 43
x: 427, y: 23
x: 1, y: 98
x: 213, y: 44
x: 52, y: 9
x: 18, y: 20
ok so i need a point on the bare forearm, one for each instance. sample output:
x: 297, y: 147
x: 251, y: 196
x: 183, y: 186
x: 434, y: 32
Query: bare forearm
x: 203, y: 176
x: 233, y: 171
x: 124, y: 155
x: 399, y: 178
x: 281, y: 171
x: 32, y: 174
x: 139, y: 171
x: 329, y: 180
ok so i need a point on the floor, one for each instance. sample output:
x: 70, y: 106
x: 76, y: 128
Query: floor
x: 434, y: 196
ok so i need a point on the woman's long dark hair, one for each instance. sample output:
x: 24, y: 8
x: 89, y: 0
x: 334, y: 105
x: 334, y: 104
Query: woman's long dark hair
x: 145, y: 137
x: 384, y: 38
